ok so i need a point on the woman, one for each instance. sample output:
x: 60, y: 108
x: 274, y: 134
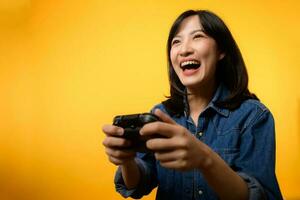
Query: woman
x: 219, y: 139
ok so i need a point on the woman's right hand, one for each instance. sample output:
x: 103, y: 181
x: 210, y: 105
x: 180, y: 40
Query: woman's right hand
x: 116, y: 147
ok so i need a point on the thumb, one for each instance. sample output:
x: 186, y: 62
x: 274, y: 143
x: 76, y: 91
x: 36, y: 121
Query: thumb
x: 164, y: 117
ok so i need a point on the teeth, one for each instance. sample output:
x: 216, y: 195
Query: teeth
x: 190, y: 62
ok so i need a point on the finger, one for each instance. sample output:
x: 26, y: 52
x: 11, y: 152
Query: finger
x: 164, y: 117
x: 116, y: 142
x: 161, y: 128
x: 167, y: 156
x: 162, y: 144
x: 112, y: 130
x: 117, y: 161
x: 117, y: 153
x: 181, y: 165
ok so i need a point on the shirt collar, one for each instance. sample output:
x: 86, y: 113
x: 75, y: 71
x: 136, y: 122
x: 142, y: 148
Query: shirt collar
x: 220, y: 94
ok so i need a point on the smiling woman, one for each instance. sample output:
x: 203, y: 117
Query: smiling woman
x: 187, y: 64
x: 218, y: 137
x: 67, y: 66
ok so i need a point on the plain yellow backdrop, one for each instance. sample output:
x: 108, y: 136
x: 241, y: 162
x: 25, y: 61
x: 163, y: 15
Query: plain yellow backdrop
x: 67, y: 67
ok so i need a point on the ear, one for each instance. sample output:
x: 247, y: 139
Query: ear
x: 221, y: 56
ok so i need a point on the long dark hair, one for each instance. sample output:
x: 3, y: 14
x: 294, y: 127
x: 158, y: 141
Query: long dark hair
x: 231, y: 70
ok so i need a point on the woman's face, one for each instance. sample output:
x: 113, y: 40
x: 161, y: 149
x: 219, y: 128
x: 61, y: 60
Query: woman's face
x: 194, y: 55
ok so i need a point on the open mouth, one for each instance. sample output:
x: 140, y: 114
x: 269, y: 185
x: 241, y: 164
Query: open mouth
x: 191, y: 64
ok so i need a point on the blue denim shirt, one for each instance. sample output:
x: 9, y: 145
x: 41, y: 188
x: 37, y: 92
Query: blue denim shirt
x: 244, y: 138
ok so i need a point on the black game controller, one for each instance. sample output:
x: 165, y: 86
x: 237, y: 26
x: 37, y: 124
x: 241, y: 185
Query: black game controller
x: 132, y: 125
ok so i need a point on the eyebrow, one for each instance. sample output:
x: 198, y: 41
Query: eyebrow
x: 191, y: 33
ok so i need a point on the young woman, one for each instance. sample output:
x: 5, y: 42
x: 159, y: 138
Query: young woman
x: 219, y: 139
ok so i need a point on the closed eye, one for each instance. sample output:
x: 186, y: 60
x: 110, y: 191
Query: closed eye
x: 199, y: 36
x: 175, y: 42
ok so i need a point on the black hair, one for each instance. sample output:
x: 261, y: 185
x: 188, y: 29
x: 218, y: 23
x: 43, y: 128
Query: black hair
x: 231, y: 70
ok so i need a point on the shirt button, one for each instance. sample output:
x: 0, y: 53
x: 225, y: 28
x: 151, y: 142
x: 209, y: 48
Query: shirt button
x: 200, y: 192
x: 200, y: 134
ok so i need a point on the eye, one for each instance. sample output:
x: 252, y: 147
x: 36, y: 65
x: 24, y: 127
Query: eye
x: 176, y: 41
x: 198, y: 36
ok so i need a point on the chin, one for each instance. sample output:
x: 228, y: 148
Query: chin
x: 191, y: 83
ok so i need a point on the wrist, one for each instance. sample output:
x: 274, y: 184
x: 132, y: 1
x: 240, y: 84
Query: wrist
x: 207, y: 161
x: 128, y: 163
x: 131, y: 174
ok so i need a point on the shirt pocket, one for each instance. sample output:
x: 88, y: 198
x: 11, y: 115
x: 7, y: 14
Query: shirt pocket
x: 226, y: 144
x: 229, y: 155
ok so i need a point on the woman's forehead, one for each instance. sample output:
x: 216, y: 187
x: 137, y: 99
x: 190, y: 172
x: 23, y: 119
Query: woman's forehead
x: 188, y: 25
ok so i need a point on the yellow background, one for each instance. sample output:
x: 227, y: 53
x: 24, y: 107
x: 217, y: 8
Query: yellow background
x: 67, y: 67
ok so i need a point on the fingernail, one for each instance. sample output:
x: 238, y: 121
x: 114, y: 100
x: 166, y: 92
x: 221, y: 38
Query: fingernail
x: 120, y: 131
x: 157, y: 110
x: 141, y: 132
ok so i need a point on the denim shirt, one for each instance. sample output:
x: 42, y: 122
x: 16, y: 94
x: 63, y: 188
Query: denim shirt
x: 244, y: 138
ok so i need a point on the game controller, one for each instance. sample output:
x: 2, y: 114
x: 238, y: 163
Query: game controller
x: 132, y: 125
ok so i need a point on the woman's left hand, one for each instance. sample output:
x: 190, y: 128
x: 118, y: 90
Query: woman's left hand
x: 178, y: 148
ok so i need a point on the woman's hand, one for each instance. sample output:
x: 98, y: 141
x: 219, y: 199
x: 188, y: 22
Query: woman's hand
x: 180, y: 150
x: 116, y: 147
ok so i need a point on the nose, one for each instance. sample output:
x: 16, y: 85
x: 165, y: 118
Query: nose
x: 185, y: 49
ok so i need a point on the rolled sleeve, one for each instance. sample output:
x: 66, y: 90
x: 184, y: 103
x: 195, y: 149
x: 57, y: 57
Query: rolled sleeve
x: 120, y: 185
x: 256, y: 163
x: 146, y: 184
x: 256, y: 191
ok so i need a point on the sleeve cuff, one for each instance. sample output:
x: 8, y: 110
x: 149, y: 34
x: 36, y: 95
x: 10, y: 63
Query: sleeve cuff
x: 121, y: 187
x: 256, y: 191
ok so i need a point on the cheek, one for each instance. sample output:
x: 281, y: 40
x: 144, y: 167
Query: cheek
x: 210, y: 56
x: 205, y: 50
x: 173, y: 56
